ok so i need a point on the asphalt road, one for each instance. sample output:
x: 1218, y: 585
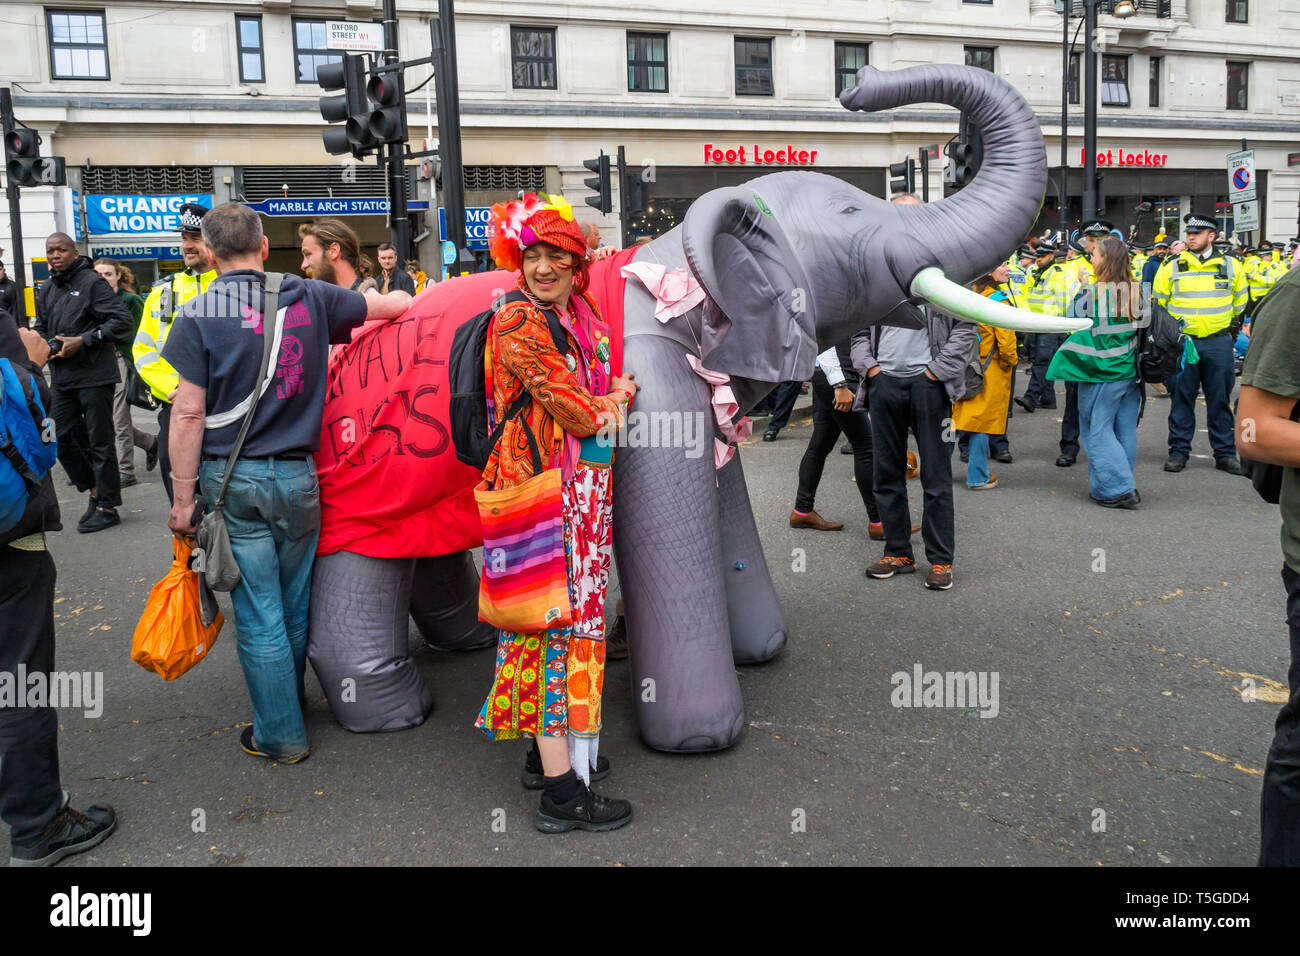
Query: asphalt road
x: 1121, y: 735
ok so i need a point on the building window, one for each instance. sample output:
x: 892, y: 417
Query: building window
x: 1238, y: 11
x: 981, y: 57
x: 1238, y: 85
x: 532, y: 57
x: 78, y: 50
x: 248, y: 37
x: 1114, y: 81
x: 647, y: 62
x: 753, y: 67
x: 1153, y: 90
x: 1075, y: 59
x: 309, y: 51
x: 849, y: 58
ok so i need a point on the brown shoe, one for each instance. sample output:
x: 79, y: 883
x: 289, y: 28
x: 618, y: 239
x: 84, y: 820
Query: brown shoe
x: 939, y: 578
x: 616, y: 640
x: 876, y: 530
x: 890, y: 565
x: 913, y: 469
x: 813, y: 520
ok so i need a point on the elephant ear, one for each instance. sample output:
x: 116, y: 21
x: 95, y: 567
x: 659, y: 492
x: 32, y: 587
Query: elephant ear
x: 766, y: 329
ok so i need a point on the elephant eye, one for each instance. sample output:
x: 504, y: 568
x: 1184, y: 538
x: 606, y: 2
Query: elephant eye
x: 849, y: 210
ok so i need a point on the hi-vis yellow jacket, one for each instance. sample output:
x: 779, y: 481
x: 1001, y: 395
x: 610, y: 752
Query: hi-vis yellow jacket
x: 1049, y: 289
x: 167, y: 295
x: 1267, y: 272
x: 1207, y: 294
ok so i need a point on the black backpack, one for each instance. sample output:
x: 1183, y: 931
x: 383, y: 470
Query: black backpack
x: 470, y: 434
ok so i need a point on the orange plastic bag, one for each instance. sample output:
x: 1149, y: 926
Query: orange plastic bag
x: 171, y: 638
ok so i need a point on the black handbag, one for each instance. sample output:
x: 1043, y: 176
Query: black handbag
x: 1266, y: 478
x: 137, y: 391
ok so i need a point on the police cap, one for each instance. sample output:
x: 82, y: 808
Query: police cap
x: 1195, y: 222
x: 192, y: 217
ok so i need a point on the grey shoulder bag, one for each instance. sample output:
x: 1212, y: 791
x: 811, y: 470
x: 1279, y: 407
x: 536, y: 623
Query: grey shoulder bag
x: 219, y: 567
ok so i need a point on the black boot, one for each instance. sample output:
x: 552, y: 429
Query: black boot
x: 568, y: 804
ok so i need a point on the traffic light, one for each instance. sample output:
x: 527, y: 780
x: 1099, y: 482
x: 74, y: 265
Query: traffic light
x: 25, y: 164
x: 351, y: 107
x: 903, y: 176
x: 637, y: 191
x: 965, y: 155
x: 387, y: 123
x: 599, y: 184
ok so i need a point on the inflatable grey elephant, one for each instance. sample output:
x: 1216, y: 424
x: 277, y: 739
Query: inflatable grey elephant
x: 789, y: 264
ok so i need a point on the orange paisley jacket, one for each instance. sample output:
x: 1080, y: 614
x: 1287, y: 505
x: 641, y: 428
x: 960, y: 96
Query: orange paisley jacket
x: 521, y: 354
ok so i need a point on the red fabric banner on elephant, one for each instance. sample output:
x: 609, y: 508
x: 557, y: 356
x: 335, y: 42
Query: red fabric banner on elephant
x: 390, y: 483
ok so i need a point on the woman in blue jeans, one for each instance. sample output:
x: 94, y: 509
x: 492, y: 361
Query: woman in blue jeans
x: 1103, y: 360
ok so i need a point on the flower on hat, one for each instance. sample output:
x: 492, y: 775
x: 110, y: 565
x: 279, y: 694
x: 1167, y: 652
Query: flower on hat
x: 515, y: 225
x: 561, y: 205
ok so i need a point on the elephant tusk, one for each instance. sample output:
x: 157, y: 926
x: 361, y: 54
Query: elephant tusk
x: 935, y: 287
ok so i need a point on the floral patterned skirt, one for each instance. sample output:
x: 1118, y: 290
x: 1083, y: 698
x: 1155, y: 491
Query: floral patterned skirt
x: 549, y: 682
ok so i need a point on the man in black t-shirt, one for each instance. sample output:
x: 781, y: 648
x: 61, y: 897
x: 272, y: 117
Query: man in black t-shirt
x: 272, y: 503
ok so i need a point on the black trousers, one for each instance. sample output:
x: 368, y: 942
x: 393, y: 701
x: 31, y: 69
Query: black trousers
x: 1042, y: 346
x: 1279, y: 801
x: 783, y: 397
x: 1070, y: 421
x: 827, y: 426
x: 83, y: 422
x: 921, y: 405
x: 164, y: 456
x: 30, y: 794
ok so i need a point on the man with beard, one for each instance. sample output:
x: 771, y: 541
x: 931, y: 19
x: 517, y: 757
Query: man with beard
x: 331, y: 252
x: 165, y: 299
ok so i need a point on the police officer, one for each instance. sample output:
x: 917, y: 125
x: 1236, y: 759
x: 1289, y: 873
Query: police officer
x: 1268, y: 269
x: 165, y: 298
x: 1046, y: 289
x: 1207, y: 291
x: 1139, y: 254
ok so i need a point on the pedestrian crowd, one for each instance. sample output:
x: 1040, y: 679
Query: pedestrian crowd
x: 238, y: 432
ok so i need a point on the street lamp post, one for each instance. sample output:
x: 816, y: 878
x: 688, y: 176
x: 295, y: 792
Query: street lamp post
x: 1121, y: 10
x: 1090, y: 210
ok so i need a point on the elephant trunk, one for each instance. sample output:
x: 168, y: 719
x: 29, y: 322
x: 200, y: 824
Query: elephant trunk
x: 973, y: 230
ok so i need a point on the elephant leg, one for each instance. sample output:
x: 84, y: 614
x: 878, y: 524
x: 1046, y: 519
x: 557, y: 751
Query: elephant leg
x: 667, y: 538
x: 358, y: 642
x: 758, y: 630
x: 444, y: 604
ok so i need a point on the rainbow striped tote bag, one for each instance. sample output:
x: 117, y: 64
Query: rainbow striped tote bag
x: 525, y: 584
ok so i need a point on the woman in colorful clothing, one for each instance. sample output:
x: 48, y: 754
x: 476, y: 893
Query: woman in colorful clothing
x: 548, y: 683
x: 1103, y: 360
x: 984, y: 415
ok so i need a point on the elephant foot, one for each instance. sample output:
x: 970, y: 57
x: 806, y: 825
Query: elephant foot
x: 761, y: 652
x: 702, y: 743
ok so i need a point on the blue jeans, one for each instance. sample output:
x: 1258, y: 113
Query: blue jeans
x: 1108, y: 417
x: 273, y: 515
x: 977, y: 468
x: 1216, y: 374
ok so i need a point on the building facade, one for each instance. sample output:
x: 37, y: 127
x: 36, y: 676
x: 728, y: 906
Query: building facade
x: 152, y: 101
